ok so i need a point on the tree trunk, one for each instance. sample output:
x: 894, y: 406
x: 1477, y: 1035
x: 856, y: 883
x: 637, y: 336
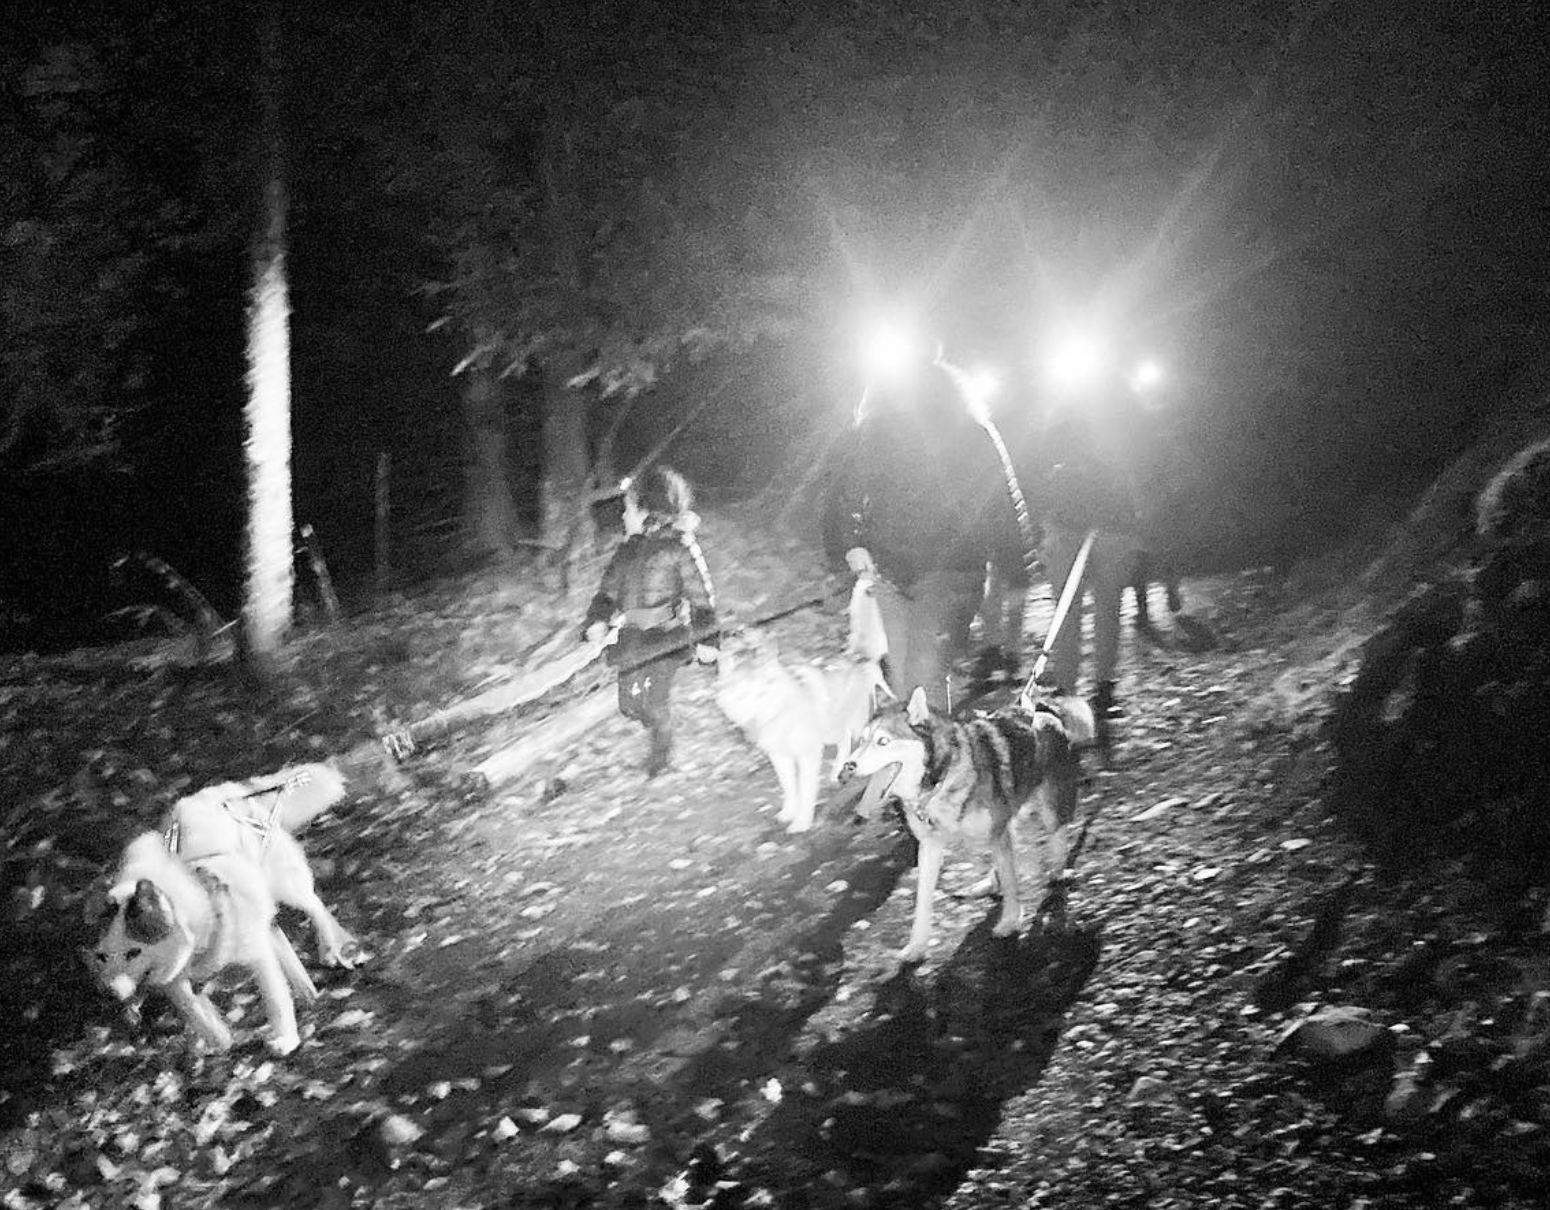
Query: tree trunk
x: 489, y: 514
x: 564, y: 515
x: 266, y: 613
x: 554, y: 735
x: 567, y: 521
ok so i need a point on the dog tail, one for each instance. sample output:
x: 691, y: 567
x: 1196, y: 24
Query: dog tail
x: 1077, y: 717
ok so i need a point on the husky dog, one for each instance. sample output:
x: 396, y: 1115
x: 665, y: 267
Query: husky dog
x: 792, y: 713
x: 971, y: 780
x: 173, y: 924
x: 256, y: 818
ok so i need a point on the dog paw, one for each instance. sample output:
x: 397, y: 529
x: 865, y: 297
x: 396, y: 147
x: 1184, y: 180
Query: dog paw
x: 284, y: 1043
x: 915, y: 951
x: 799, y: 825
x: 337, y: 956
x: 1008, y: 925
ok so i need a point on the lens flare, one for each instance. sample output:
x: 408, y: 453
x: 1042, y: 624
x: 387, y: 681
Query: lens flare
x: 887, y: 350
x: 1147, y: 375
x: 1076, y: 360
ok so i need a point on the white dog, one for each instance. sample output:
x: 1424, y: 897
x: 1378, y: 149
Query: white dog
x: 172, y: 924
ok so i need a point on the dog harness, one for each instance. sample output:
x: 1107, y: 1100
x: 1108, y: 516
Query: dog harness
x: 202, y: 964
x: 172, y: 837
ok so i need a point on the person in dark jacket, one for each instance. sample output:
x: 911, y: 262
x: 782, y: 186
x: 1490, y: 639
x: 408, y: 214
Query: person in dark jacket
x: 920, y: 499
x: 1088, y: 479
x: 657, y: 589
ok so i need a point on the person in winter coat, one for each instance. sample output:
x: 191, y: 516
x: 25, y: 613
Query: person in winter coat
x: 921, y: 501
x: 657, y: 589
x: 1085, y: 481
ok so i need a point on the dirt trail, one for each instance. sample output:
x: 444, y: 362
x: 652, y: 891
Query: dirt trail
x: 660, y: 954
x: 599, y: 991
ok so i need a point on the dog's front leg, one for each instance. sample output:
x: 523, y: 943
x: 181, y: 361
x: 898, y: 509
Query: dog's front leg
x: 807, y: 770
x: 928, y: 868
x: 1004, y: 862
x: 786, y: 775
x: 199, y: 1014
x: 1054, y: 847
x: 842, y: 749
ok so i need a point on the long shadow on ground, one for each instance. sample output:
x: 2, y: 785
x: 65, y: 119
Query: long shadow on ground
x: 903, y: 1106
x: 635, y: 1011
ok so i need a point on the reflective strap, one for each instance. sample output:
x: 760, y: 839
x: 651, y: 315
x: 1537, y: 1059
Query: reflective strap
x: 1067, y: 596
x: 698, y: 556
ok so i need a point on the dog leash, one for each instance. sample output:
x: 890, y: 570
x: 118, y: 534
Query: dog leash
x: 1068, y: 595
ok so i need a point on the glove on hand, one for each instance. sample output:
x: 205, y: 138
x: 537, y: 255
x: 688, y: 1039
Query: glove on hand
x: 859, y: 560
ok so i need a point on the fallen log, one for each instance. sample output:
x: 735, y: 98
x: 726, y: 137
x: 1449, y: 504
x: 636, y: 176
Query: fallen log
x: 525, y: 687
x: 563, y: 727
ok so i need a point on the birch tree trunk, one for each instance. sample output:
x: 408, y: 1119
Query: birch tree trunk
x: 270, y: 587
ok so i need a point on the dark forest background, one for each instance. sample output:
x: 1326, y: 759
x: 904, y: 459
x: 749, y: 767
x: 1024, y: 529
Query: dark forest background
x: 1327, y: 219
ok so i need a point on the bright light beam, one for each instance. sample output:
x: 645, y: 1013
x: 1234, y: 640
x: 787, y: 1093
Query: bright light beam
x: 1076, y: 361
x: 1147, y: 376
x: 979, y: 388
x: 886, y: 350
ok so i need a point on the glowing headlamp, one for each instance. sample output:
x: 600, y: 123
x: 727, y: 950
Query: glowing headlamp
x: 1147, y: 376
x: 1076, y: 360
x: 888, y: 349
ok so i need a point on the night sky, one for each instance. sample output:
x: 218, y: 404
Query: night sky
x: 1328, y: 221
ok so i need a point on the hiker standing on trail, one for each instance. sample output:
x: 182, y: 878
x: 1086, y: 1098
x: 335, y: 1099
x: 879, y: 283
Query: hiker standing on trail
x: 657, y: 589
x: 1086, y: 480
x: 921, y: 503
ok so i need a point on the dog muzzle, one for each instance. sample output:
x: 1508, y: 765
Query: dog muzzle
x: 122, y: 986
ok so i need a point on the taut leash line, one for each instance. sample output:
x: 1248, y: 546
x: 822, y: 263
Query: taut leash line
x: 1068, y: 595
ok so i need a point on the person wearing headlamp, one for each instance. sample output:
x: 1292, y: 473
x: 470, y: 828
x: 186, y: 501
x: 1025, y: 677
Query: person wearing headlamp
x: 920, y: 502
x: 1084, y: 470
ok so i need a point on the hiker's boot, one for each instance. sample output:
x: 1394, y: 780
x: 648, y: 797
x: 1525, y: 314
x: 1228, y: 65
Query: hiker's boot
x: 1143, y: 591
x: 1105, y: 710
x: 660, y: 755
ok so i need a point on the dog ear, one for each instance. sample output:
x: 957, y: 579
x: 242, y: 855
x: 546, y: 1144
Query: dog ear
x: 917, y: 711
x: 99, y: 906
x: 148, y: 917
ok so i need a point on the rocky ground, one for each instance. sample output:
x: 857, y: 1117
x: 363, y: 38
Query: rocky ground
x: 584, y: 989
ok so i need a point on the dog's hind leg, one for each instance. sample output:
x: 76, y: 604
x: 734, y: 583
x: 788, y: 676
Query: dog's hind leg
x: 274, y: 987
x: 333, y: 939
x: 290, y: 881
x: 1004, y: 869
x: 290, y: 966
x: 928, y: 868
